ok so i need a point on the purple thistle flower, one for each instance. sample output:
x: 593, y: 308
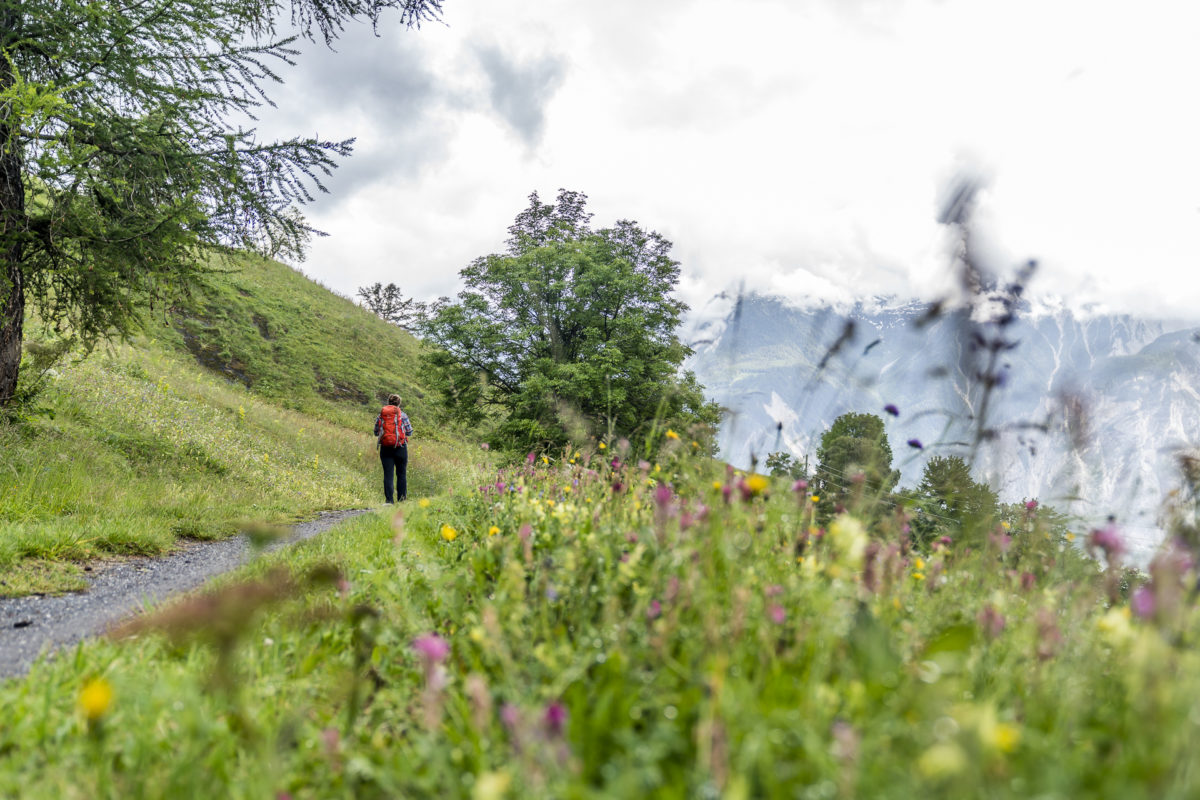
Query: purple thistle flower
x: 726, y: 492
x: 555, y: 718
x: 662, y: 495
x: 800, y: 486
x: 1142, y: 603
x: 654, y: 611
x: 432, y: 648
x: 1031, y: 505
x: 1108, y: 540
x: 510, y: 715
x: 991, y: 621
x: 529, y: 459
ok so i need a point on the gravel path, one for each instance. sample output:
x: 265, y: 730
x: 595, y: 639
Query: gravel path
x: 31, y: 625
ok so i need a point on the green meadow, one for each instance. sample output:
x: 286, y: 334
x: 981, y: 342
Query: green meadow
x: 587, y: 624
x: 254, y: 403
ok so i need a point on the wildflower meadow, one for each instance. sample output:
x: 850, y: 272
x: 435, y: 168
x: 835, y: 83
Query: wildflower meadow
x: 599, y: 625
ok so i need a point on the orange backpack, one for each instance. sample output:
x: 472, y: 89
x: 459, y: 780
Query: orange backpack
x: 391, y: 427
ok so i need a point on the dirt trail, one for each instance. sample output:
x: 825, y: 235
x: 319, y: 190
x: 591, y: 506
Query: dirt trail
x: 31, y: 625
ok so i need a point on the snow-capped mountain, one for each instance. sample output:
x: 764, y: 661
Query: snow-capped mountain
x: 1086, y: 411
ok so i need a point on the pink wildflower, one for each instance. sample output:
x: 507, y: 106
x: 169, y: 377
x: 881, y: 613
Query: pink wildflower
x: 555, y: 718
x: 654, y: 611
x: 432, y: 648
x: 991, y: 621
x: 800, y: 486
x: 777, y: 614
x: 1142, y: 603
x: 662, y: 495
x: 1108, y: 541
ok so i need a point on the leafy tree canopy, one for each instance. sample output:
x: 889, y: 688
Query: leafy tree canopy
x: 854, y: 462
x: 783, y: 464
x: 389, y: 304
x: 125, y: 154
x: 949, y: 500
x: 568, y: 334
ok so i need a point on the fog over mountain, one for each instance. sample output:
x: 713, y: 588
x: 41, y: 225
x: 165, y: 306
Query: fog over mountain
x: 1088, y: 412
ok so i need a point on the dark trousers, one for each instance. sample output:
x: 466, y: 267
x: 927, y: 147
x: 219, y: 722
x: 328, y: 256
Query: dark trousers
x: 395, y: 459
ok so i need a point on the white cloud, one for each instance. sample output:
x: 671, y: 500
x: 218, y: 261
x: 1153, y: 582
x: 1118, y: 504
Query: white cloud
x: 796, y: 147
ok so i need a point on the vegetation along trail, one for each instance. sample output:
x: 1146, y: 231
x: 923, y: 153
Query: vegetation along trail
x: 30, y: 624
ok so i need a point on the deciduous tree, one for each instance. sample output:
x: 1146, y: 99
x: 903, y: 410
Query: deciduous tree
x: 571, y: 332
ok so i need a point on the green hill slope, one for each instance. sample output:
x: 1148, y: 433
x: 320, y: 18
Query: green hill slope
x: 285, y: 337
x: 254, y: 401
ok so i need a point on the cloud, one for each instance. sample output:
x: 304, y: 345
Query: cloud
x: 519, y: 92
x: 382, y: 91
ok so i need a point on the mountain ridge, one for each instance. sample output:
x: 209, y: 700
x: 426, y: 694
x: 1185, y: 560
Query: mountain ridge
x: 1088, y: 410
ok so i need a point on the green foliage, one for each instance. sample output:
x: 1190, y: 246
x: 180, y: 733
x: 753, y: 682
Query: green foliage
x: 948, y: 499
x: 782, y: 464
x: 601, y: 643
x: 854, y: 463
x: 569, y: 336
x: 389, y: 303
x: 123, y: 158
x: 136, y: 446
x: 268, y: 327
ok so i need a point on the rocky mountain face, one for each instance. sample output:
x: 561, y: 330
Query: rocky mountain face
x: 1085, y: 411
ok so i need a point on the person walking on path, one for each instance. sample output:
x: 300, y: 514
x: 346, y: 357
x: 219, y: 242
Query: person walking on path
x: 392, y: 430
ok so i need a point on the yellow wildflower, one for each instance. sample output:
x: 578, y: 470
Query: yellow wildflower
x: 423, y: 502
x: 603, y: 446
x: 1070, y: 537
x: 757, y: 484
x: 672, y: 434
x: 491, y: 786
x: 448, y: 533
x: 716, y: 486
x: 695, y: 443
x: 942, y: 760
x: 95, y: 698
x: 492, y: 531
x: 919, y: 563
x: 545, y: 460
x: 815, y: 499
x: 1004, y: 524
x: 918, y: 576
x: 1003, y: 737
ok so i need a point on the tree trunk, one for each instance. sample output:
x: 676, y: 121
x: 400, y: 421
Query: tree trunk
x: 12, y: 230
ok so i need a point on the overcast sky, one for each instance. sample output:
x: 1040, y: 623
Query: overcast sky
x: 800, y: 147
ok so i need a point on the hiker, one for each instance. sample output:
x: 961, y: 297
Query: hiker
x: 392, y: 430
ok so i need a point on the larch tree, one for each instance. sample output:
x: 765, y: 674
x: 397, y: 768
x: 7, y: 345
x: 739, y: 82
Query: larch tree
x: 125, y: 160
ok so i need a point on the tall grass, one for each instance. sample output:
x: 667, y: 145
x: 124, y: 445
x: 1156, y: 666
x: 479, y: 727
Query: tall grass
x: 575, y: 630
x: 140, y: 447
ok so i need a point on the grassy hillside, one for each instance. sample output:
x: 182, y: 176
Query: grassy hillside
x: 285, y: 337
x: 256, y: 406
